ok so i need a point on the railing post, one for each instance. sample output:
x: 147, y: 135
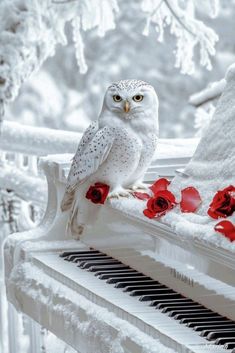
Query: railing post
x: 34, y: 332
x: 19, y: 160
x: 18, y: 340
x: 33, y: 165
x: 2, y: 157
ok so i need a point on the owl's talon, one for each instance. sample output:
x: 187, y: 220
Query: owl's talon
x: 139, y: 187
x: 117, y: 194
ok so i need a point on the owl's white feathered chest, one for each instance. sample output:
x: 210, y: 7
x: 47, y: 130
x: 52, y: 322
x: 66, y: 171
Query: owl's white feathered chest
x: 122, y: 160
x: 125, y: 157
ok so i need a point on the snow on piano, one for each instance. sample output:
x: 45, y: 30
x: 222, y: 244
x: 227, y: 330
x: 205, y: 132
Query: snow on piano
x: 134, y: 285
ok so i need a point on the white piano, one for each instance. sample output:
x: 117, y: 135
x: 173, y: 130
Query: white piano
x: 127, y: 286
x: 131, y: 285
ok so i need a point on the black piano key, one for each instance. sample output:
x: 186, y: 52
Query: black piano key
x: 181, y: 302
x: 82, y: 252
x: 127, y: 279
x: 108, y: 267
x: 91, y: 258
x: 196, y: 315
x: 87, y: 256
x: 188, y: 312
x: 73, y: 258
x: 205, y: 329
x: 220, y: 334
x: 141, y: 292
x: 119, y: 275
x: 135, y: 283
x: 87, y: 264
x: 152, y: 297
x: 209, y: 319
x: 180, y: 307
x: 230, y: 345
x: 197, y: 323
x: 220, y: 341
x: 168, y: 301
x: 115, y: 270
x: 144, y: 286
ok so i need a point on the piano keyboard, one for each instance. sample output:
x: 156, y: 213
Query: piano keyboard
x: 213, y: 329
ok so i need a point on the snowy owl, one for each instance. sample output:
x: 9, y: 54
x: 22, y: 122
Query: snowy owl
x: 115, y: 150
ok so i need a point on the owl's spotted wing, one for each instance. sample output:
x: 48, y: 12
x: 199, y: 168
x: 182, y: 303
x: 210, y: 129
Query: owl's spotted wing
x: 93, y: 155
x: 87, y: 161
x: 85, y: 140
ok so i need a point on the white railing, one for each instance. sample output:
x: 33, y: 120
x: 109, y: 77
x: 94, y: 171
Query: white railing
x: 23, y: 185
x: 20, y: 147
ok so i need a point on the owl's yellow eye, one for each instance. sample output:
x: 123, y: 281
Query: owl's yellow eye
x: 117, y: 98
x: 138, y: 98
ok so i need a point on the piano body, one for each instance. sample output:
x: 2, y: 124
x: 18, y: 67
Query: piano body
x: 129, y: 285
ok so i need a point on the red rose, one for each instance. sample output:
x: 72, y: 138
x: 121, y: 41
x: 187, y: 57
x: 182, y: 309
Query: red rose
x: 159, y: 204
x: 223, y: 203
x: 98, y: 193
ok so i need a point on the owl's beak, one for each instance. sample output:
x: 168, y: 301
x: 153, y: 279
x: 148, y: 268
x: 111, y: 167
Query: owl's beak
x: 126, y: 107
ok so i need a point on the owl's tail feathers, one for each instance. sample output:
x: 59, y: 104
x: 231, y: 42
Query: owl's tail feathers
x: 83, y: 214
x: 73, y: 227
x: 67, y: 201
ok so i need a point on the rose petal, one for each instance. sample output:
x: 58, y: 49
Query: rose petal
x: 190, y: 199
x: 211, y: 212
x: 141, y: 195
x: 149, y: 214
x: 227, y: 229
x: 159, y: 185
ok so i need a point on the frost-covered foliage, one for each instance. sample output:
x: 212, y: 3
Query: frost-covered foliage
x: 58, y: 96
x: 48, y: 103
x: 180, y: 16
x: 31, y: 29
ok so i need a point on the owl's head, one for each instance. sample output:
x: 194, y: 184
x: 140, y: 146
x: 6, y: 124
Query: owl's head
x: 129, y: 99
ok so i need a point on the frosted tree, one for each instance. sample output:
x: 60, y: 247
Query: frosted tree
x: 31, y: 29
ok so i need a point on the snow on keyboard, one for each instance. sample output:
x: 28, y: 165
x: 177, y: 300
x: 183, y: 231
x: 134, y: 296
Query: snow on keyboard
x: 153, y: 307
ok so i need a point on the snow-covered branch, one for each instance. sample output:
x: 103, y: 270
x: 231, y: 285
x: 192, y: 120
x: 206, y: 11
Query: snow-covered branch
x: 185, y: 27
x: 31, y: 29
x: 208, y: 94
